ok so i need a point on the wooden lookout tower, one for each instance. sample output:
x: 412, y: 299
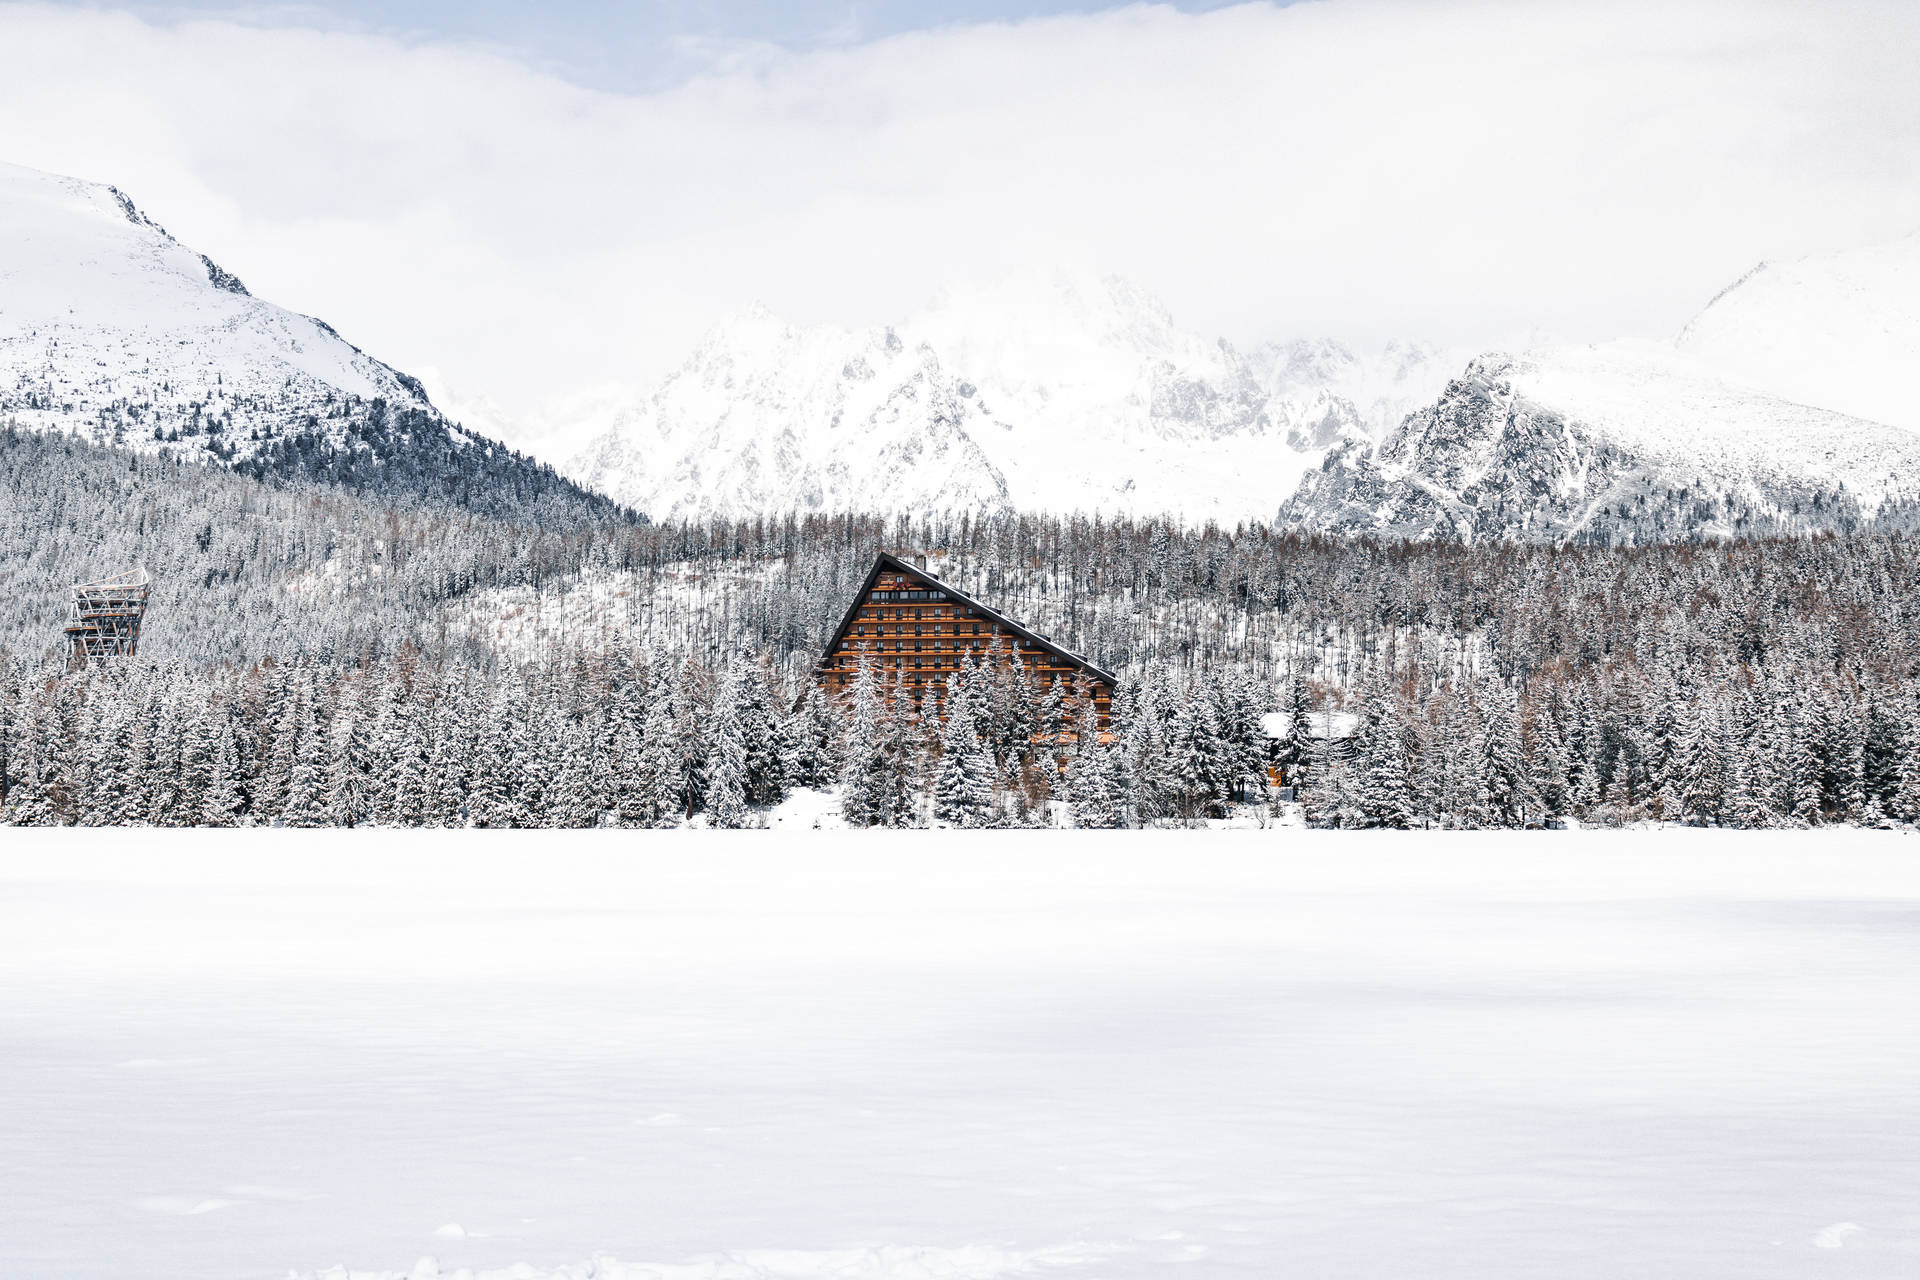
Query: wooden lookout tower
x: 105, y: 619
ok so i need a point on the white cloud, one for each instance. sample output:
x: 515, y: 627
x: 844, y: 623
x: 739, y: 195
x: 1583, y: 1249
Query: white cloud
x: 1436, y: 168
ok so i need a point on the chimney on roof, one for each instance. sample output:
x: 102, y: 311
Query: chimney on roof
x: 920, y: 560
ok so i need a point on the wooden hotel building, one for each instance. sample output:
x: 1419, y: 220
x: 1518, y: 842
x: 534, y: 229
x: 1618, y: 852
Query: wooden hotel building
x: 919, y: 628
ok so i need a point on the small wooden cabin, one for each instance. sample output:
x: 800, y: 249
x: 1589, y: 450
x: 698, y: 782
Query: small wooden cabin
x: 919, y: 628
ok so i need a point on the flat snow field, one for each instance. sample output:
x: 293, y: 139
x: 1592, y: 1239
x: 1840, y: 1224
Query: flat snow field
x: 962, y: 1056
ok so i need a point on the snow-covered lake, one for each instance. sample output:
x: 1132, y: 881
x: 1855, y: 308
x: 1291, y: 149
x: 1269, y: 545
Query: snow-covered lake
x: 1246, y: 1055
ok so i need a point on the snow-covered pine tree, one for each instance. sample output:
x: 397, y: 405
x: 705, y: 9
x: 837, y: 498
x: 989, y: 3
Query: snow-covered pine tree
x: 1544, y: 747
x: 1743, y: 804
x: 896, y: 735
x: 307, y: 781
x: 410, y: 748
x: 225, y: 802
x: 1193, y: 752
x: 281, y: 730
x: 811, y: 734
x: 692, y: 696
x: 763, y: 733
x: 1881, y: 749
x: 1807, y: 774
x: 1385, y: 794
x: 660, y: 801
x: 1297, y: 749
x: 726, y: 766
x: 163, y: 759
x: 389, y: 741
x: 196, y: 762
x: 34, y: 798
x: 109, y: 790
x: 572, y: 802
x: 628, y: 751
x: 449, y: 759
x: 963, y: 785
x: 1845, y: 736
x: 350, y: 801
x: 1245, y: 703
x: 1089, y: 775
x: 11, y: 696
x: 1509, y: 788
x: 863, y: 773
x: 492, y: 800
x: 1433, y: 779
x: 1667, y: 735
x: 1697, y: 766
x: 1906, y: 798
x: 1022, y: 715
x: 1118, y: 803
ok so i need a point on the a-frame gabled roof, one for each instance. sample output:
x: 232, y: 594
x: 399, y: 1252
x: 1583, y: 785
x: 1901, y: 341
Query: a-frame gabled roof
x: 887, y: 563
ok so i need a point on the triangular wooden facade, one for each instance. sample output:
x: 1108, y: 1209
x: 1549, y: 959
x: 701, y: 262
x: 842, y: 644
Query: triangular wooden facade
x: 920, y: 628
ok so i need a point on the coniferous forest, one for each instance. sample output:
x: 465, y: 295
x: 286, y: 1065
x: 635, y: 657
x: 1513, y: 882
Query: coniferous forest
x: 319, y: 657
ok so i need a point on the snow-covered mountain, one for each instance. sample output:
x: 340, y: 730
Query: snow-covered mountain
x: 1839, y: 330
x: 112, y: 330
x: 1753, y: 420
x: 1623, y: 441
x: 1788, y: 403
x: 1328, y: 392
x: 1056, y: 393
x: 767, y: 417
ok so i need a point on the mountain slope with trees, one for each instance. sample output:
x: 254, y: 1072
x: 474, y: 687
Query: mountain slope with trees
x: 114, y: 332
x: 365, y: 656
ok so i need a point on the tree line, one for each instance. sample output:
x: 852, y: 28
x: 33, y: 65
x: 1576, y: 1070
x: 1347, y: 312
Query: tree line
x: 652, y: 740
x: 1746, y: 681
x: 598, y: 741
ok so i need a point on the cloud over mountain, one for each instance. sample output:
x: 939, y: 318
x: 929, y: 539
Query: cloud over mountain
x: 1458, y: 169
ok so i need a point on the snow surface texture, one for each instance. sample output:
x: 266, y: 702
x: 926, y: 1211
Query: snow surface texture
x: 1671, y: 1054
x: 111, y: 328
x: 975, y: 1262
x: 1060, y: 393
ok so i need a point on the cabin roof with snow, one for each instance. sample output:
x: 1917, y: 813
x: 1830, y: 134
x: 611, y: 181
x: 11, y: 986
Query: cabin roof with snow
x: 920, y: 593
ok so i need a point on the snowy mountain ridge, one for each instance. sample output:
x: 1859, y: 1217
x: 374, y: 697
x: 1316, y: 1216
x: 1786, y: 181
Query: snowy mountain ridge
x: 112, y: 330
x: 766, y: 416
x: 105, y: 316
x: 1786, y: 405
x: 1046, y: 393
x: 1839, y: 330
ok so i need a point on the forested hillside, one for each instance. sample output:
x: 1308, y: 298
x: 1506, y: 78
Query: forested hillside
x: 1750, y: 681
x: 242, y: 569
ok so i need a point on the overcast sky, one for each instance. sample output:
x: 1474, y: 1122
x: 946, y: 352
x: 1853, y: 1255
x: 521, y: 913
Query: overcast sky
x: 520, y: 208
x: 628, y: 45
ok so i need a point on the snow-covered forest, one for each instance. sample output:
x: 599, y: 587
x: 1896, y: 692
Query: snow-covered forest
x: 598, y: 740
x: 615, y: 740
x: 312, y: 656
